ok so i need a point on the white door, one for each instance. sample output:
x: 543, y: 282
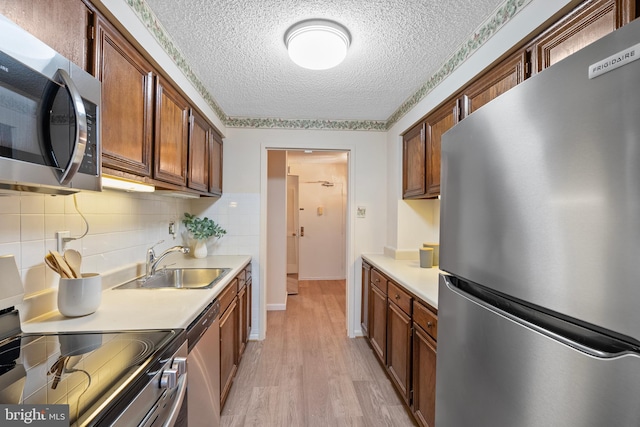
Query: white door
x: 322, y: 231
x: 292, y: 234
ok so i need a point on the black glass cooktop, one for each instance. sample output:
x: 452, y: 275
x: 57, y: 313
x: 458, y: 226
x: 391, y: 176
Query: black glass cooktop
x: 86, y: 371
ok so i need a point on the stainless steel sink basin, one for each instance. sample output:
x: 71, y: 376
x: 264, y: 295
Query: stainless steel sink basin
x: 179, y: 278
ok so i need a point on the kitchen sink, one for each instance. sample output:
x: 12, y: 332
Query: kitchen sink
x: 179, y: 278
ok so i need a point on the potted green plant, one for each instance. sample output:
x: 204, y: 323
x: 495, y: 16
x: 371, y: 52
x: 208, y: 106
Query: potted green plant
x: 201, y: 229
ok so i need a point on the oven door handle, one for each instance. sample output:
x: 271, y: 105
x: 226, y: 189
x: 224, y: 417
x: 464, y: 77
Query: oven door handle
x: 80, y: 142
x: 177, y: 404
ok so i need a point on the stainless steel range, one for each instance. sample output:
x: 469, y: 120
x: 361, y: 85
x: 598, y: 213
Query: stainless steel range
x: 120, y: 378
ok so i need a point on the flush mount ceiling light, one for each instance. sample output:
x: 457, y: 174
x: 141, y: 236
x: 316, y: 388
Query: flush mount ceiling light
x: 317, y: 44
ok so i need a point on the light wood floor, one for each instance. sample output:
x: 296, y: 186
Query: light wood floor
x: 307, y: 372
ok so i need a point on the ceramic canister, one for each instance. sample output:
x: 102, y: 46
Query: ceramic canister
x: 426, y: 257
x: 436, y: 251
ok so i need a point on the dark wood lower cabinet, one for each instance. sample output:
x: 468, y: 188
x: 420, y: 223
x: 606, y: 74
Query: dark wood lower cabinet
x: 402, y: 333
x: 228, y: 349
x: 242, y: 321
x: 364, y: 301
x: 378, y: 323
x: 399, y: 349
x: 424, y: 378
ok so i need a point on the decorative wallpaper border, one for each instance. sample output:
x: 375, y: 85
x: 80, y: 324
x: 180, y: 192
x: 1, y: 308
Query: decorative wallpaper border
x: 502, y: 15
x: 272, y: 123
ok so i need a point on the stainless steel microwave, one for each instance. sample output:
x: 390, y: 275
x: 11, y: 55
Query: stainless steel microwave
x: 49, y: 118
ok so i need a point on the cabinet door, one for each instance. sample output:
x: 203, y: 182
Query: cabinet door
x: 399, y: 349
x: 199, y: 142
x: 242, y: 321
x: 414, y: 155
x: 228, y: 349
x: 172, y: 124
x: 497, y: 81
x: 378, y: 323
x: 424, y: 378
x: 215, y: 172
x: 364, y: 302
x: 437, y: 124
x: 127, y: 102
x: 64, y: 25
x: 249, y: 287
x: 586, y: 24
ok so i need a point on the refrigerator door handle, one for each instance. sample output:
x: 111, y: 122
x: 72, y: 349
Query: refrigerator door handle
x: 579, y: 337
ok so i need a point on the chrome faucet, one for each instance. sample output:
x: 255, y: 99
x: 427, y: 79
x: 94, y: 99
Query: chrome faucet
x: 153, y: 260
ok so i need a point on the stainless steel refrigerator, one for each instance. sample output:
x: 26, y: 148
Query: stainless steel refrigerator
x: 539, y: 314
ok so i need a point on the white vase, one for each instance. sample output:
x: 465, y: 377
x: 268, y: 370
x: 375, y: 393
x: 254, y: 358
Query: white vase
x: 200, y: 249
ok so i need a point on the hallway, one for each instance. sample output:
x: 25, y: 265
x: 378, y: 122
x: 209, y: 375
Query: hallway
x: 307, y: 372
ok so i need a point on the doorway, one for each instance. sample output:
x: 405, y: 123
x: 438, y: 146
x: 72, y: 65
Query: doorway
x: 320, y: 220
x: 315, y: 206
x: 275, y: 287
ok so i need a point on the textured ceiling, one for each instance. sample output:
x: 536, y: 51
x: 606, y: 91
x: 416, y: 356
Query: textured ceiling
x: 235, y: 48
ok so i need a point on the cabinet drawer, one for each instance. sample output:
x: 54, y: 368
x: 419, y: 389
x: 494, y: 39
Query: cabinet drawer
x: 400, y: 298
x: 378, y: 280
x: 426, y: 319
x: 227, y: 295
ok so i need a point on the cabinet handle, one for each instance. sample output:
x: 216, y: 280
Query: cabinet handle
x: 397, y: 296
x: 377, y: 280
x: 429, y: 324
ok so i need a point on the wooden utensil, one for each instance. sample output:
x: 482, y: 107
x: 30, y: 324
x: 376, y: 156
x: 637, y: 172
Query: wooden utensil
x: 74, y: 259
x: 63, y: 267
x: 51, y: 262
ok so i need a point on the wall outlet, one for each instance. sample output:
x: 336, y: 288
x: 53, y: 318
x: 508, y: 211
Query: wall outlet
x: 61, y: 240
x: 173, y: 229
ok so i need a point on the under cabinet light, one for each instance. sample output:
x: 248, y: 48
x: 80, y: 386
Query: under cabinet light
x: 126, y: 185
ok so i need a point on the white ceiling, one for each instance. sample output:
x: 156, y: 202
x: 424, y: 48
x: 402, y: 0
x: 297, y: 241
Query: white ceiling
x: 236, y: 49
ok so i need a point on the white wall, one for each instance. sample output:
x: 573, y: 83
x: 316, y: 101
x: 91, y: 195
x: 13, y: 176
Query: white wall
x: 409, y: 223
x: 276, y: 230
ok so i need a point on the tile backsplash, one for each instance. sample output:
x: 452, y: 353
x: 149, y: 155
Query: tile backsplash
x: 122, y: 226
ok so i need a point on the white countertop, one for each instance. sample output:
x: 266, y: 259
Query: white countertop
x: 423, y: 282
x: 126, y: 309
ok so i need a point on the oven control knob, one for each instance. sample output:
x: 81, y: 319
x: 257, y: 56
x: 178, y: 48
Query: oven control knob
x: 180, y: 365
x: 169, y: 378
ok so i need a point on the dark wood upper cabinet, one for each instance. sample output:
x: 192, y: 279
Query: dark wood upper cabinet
x: 435, y: 125
x: 215, y: 171
x: 64, y: 25
x: 127, y: 102
x: 199, y: 148
x: 506, y: 75
x: 414, y: 155
x: 587, y: 23
x: 421, y: 152
x: 171, y: 133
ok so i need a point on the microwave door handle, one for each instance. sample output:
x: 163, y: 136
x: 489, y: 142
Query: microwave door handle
x: 80, y: 142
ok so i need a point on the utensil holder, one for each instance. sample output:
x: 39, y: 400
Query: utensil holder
x: 79, y: 297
